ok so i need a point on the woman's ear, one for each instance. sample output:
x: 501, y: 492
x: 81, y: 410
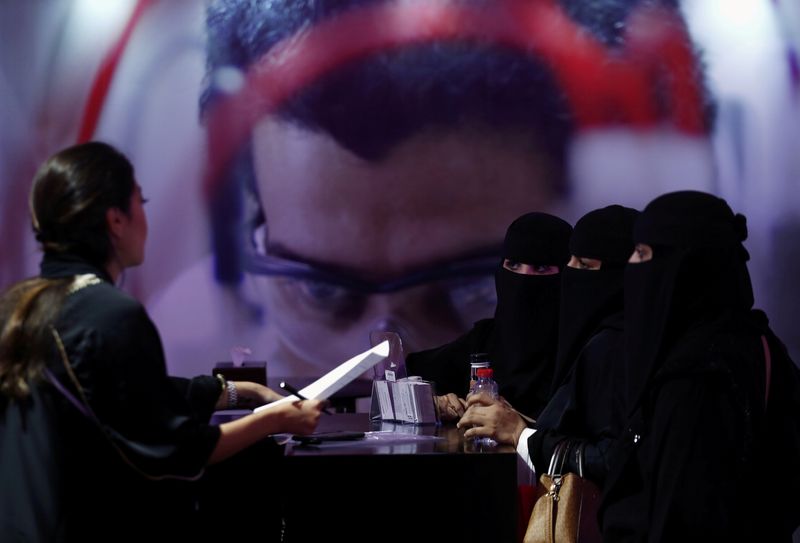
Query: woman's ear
x: 115, y: 221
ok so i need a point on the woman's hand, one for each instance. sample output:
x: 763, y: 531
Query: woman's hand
x: 298, y: 417
x: 301, y: 416
x: 487, y: 417
x: 451, y: 407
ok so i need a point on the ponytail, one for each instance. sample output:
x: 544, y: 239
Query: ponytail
x: 27, y: 312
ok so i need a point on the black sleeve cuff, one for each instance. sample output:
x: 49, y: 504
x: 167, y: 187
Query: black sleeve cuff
x: 202, y: 393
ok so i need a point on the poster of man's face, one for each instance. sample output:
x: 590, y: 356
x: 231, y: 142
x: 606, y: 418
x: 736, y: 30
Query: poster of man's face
x: 320, y: 171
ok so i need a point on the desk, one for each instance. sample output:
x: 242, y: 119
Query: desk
x: 413, y: 490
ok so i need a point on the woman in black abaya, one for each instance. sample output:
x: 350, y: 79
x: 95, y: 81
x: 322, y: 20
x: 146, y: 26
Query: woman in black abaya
x: 521, y: 339
x: 712, y: 396
x: 585, y: 405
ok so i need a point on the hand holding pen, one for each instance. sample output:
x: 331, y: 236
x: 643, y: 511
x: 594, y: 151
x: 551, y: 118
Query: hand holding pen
x: 291, y: 390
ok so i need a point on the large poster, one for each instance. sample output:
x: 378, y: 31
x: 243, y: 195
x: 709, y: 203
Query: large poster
x: 313, y: 175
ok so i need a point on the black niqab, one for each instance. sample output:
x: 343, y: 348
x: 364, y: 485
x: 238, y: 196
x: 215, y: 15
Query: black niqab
x: 523, y: 342
x: 522, y: 337
x: 697, y: 274
x: 590, y: 296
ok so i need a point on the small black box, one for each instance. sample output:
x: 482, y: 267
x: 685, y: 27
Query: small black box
x: 255, y: 371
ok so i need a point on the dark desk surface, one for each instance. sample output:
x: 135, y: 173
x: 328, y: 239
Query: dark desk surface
x: 404, y: 439
x: 409, y: 489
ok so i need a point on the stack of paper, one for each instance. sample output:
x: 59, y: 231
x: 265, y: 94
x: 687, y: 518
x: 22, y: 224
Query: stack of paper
x: 336, y: 379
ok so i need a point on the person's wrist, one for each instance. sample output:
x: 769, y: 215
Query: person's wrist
x: 232, y: 394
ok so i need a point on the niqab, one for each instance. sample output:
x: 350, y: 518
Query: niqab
x: 697, y: 274
x: 523, y: 342
x: 590, y: 296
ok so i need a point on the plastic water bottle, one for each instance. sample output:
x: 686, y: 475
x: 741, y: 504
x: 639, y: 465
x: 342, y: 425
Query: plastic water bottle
x: 487, y: 385
x: 476, y: 362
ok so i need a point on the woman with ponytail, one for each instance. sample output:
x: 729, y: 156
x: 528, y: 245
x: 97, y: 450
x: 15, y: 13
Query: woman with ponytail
x: 96, y: 441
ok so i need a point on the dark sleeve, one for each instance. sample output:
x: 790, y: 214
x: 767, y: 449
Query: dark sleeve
x: 693, y: 451
x: 543, y: 442
x: 599, y: 374
x: 596, y: 457
x: 152, y: 424
x: 583, y: 410
x: 780, y: 437
x: 202, y: 393
x: 448, y: 365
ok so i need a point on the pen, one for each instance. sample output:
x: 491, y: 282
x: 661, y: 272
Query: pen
x: 291, y: 390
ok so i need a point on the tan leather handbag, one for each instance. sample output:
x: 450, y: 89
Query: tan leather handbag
x: 566, y: 509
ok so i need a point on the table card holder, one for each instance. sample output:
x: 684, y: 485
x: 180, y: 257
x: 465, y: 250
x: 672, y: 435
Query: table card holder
x: 396, y: 397
x: 384, y: 374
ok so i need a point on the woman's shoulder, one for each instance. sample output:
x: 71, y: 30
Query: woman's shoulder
x: 726, y: 347
x: 103, y: 305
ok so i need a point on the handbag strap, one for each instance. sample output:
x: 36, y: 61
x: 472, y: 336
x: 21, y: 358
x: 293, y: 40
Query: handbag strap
x: 558, y: 458
x: 85, y: 409
x: 767, y: 368
x: 82, y: 405
x: 68, y: 395
x: 560, y: 454
x: 579, y: 457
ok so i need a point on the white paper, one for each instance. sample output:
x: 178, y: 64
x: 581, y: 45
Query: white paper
x: 403, y: 402
x: 384, y: 399
x: 339, y: 377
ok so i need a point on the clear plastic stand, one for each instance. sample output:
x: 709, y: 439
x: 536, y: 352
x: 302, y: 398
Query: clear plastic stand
x: 384, y: 374
x: 395, y: 396
x: 394, y: 366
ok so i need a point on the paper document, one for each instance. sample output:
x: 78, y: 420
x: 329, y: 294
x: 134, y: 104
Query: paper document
x: 339, y: 377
